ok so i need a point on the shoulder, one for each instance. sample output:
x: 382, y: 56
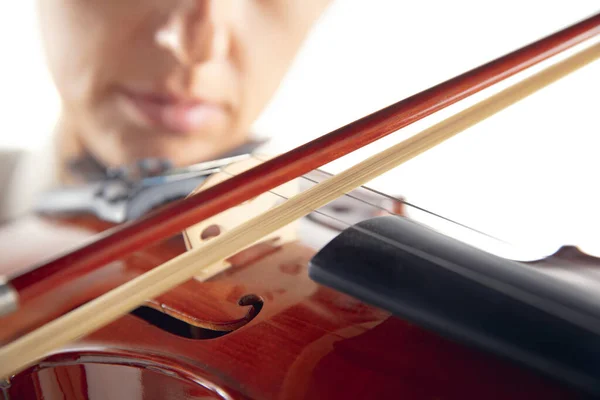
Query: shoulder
x: 9, y: 159
x: 24, y: 174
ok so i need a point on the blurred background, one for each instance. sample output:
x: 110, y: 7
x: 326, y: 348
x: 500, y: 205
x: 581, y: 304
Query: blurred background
x: 526, y: 175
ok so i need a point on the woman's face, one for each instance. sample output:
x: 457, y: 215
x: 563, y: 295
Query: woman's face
x: 169, y: 78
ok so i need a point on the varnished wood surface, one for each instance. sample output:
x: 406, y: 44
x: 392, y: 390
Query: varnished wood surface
x: 178, y: 216
x: 307, y: 342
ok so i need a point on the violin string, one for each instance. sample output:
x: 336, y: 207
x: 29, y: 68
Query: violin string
x: 436, y: 215
x: 515, y: 255
x: 377, y: 206
x: 322, y: 213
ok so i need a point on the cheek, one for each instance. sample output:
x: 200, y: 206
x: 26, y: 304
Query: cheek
x: 259, y: 61
x: 66, y: 46
x: 81, y: 40
x: 264, y: 48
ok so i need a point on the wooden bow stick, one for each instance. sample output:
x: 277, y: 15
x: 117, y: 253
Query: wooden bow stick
x: 89, y: 317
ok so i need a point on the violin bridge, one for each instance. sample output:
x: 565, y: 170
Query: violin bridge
x: 199, y: 234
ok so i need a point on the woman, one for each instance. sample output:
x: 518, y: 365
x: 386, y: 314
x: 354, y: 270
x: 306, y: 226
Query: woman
x: 179, y: 79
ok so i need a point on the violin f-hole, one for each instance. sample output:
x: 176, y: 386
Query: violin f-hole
x: 181, y: 328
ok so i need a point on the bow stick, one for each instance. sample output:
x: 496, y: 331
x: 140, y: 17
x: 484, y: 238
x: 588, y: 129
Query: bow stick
x: 110, y: 306
x: 174, y: 218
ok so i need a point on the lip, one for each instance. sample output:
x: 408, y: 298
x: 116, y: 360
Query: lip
x: 173, y: 113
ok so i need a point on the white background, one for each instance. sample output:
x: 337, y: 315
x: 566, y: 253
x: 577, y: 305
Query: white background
x: 528, y: 175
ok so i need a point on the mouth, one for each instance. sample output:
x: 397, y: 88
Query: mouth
x: 173, y: 113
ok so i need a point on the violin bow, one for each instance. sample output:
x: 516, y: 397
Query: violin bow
x: 108, y: 307
x: 175, y: 217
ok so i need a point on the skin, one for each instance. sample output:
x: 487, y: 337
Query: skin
x: 129, y: 71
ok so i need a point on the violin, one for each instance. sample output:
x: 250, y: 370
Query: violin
x: 329, y: 290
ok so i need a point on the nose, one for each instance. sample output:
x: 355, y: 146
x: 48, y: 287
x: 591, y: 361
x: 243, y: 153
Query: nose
x: 190, y: 33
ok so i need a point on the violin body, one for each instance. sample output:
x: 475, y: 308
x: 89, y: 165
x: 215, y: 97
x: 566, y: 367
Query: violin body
x: 257, y: 326
x: 260, y: 329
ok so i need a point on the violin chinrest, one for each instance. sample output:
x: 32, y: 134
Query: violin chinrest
x: 511, y: 309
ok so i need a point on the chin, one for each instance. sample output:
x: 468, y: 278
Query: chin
x: 122, y: 141
x: 180, y: 151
